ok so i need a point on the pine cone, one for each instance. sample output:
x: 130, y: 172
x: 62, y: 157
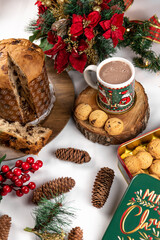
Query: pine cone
x: 101, y: 187
x: 5, y: 224
x: 75, y: 234
x: 73, y: 155
x: 53, y: 188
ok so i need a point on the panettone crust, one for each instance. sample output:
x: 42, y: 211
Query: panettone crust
x: 27, y: 55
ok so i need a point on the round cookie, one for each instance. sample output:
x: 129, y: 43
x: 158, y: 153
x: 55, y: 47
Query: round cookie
x: 145, y: 159
x: 133, y: 164
x: 82, y: 111
x: 98, y: 118
x: 114, y: 126
x: 155, y: 168
x: 154, y: 148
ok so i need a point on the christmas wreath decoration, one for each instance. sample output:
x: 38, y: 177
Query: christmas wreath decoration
x: 82, y: 32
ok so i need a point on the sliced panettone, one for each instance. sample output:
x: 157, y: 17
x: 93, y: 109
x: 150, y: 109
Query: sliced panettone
x: 28, y: 139
x: 24, y: 86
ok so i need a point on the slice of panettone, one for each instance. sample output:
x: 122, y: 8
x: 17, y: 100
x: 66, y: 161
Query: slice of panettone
x: 28, y: 139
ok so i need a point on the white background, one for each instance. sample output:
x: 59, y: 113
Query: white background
x: 14, y: 17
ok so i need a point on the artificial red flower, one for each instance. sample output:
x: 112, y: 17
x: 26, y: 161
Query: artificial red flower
x: 114, y: 28
x: 41, y: 7
x: 82, y: 45
x: 52, y: 38
x: 85, y: 24
x: 57, y: 47
x: 104, y: 4
x: 61, y: 60
x: 78, y: 61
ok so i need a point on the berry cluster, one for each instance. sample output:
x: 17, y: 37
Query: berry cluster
x: 15, y: 177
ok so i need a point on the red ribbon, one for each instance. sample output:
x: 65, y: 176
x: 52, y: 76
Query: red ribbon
x: 154, y: 29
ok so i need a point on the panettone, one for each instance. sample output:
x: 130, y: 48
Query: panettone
x: 24, y: 85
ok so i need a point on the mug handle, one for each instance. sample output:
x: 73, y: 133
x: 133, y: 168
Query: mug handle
x: 88, y: 78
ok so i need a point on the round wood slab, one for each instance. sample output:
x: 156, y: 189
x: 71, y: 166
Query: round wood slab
x: 61, y: 111
x: 135, y: 120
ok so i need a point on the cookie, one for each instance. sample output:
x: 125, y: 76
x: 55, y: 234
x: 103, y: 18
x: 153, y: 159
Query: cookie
x: 139, y: 172
x: 82, y: 111
x: 133, y: 164
x: 114, y: 126
x: 98, y: 118
x: 155, y: 168
x: 154, y: 148
x: 145, y: 159
x: 138, y: 149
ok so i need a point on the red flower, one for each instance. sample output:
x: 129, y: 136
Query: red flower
x: 104, y: 5
x: 52, y: 38
x: 57, y: 47
x: 61, y: 60
x: 85, y: 24
x: 114, y: 28
x: 79, y: 60
x: 41, y: 7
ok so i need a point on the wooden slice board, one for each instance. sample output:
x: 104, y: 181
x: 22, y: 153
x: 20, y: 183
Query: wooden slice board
x: 135, y: 120
x: 61, y: 112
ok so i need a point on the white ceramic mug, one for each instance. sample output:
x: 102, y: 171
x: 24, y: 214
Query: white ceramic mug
x: 113, y: 98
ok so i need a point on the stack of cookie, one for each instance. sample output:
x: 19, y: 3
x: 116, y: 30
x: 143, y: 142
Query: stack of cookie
x: 144, y: 159
x: 99, y: 119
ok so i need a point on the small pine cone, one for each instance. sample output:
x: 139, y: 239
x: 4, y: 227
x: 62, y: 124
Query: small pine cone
x: 73, y: 155
x: 53, y: 188
x: 5, y: 225
x: 75, y: 234
x: 101, y: 187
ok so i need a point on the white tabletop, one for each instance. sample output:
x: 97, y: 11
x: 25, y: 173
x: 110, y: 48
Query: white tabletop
x: 14, y: 17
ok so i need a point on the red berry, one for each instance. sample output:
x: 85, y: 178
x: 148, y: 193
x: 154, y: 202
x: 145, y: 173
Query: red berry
x: 25, y: 166
x: 24, y: 178
x: 30, y: 160
x: 3, y: 193
x: 32, y: 185
x: 17, y: 171
x: 7, y: 189
x: 1, y: 178
x: 19, y: 193
x: 40, y: 163
x: 19, y: 163
x: 25, y: 189
x: 5, y: 168
x: 35, y: 166
x: 18, y: 182
x: 14, y: 178
x: 27, y: 176
x: 9, y: 174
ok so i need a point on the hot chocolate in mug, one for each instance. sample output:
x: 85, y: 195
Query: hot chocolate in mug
x: 115, y: 84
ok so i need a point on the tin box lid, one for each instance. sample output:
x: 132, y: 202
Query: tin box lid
x: 138, y: 214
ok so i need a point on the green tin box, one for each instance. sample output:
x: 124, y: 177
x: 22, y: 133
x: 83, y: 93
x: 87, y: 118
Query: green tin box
x: 138, y: 214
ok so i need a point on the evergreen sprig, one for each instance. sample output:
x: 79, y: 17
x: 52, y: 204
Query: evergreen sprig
x: 51, y: 217
x: 104, y: 47
x: 79, y: 7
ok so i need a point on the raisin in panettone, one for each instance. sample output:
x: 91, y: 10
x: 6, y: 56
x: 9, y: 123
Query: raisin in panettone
x: 24, y: 85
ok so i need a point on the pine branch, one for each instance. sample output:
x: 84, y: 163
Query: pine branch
x: 51, y: 216
x: 104, y: 47
x: 80, y: 7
